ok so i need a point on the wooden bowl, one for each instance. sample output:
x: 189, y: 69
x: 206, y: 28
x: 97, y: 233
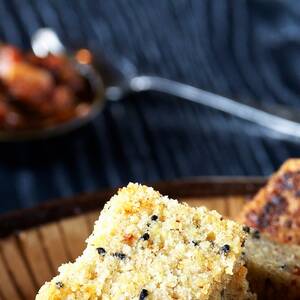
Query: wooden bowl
x: 34, y: 242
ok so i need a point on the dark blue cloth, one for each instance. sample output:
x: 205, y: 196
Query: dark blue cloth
x: 242, y: 49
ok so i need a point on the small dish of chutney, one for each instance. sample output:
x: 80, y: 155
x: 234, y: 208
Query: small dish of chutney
x: 40, y: 95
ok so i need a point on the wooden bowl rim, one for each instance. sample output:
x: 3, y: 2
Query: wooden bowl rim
x: 58, y: 209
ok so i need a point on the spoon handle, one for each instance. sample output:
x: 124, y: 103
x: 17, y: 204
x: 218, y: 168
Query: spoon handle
x: 277, y: 118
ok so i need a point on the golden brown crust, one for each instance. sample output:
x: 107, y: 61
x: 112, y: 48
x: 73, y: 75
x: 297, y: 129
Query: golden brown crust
x: 275, y: 210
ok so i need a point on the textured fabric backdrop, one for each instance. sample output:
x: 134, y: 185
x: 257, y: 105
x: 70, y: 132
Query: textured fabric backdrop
x: 242, y: 49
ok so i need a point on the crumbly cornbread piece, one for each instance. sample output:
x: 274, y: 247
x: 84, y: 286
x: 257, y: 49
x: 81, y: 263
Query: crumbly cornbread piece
x: 146, y: 246
x: 273, y: 269
x: 238, y: 288
x: 275, y: 210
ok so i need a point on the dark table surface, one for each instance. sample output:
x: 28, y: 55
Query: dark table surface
x: 242, y: 49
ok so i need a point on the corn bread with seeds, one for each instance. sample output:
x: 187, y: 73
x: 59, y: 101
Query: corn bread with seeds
x: 273, y: 269
x: 147, y: 246
x: 275, y: 210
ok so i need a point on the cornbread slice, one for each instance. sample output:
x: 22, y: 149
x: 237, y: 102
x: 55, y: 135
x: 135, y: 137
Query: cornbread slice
x: 146, y: 246
x: 273, y: 269
x: 275, y: 210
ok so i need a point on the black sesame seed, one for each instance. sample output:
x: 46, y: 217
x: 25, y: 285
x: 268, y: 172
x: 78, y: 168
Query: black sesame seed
x: 145, y: 236
x: 225, y: 249
x: 120, y: 255
x: 283, y: 267
x: 59, y: 284
x: 243, y: 243
x: 196, y: 243
x: 246, y: 228
x: 256, y: 234
x: 154, y: 218
x: 144, y: 293
x: 101, y: 251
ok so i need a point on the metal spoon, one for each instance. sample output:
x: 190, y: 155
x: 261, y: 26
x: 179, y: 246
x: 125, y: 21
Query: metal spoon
x: 280, y: 119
